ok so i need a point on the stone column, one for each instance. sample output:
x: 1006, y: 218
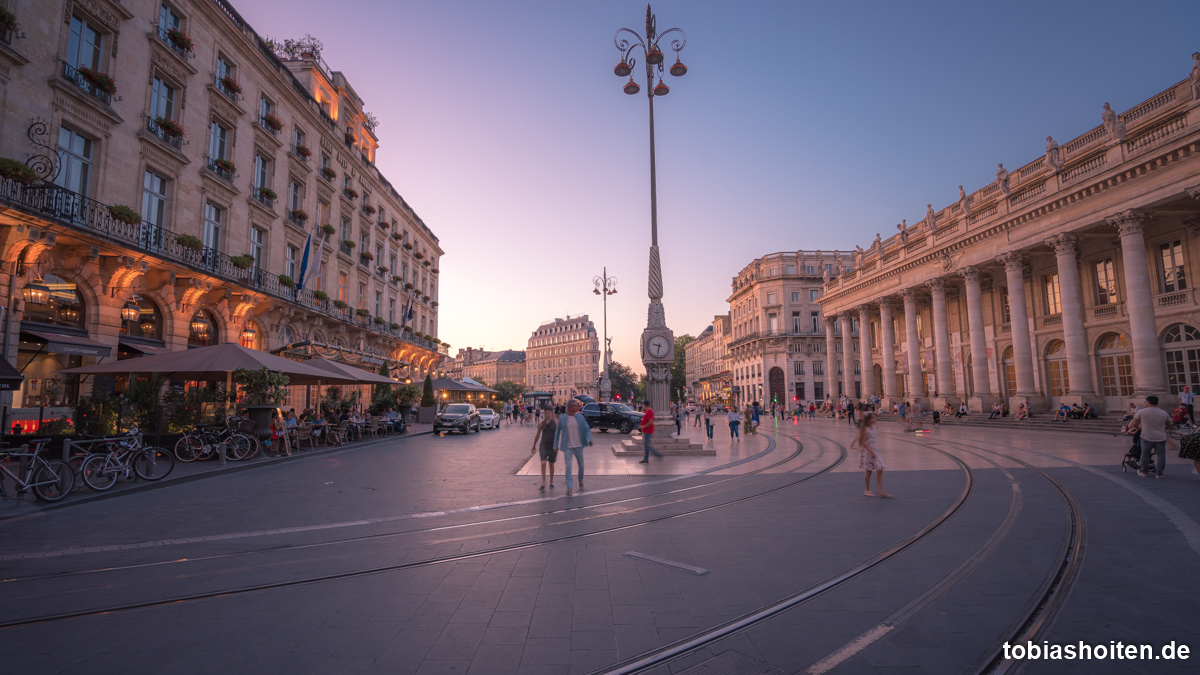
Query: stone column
x: 1014, y: 268
x: 916, y: 379
x: 1139, y: 301
x: 847, y: 354
x: 887, y: 349
x: 864, y: 346
x: 1081, y: 389
x: 830, y: 357
x: 941, y: 343
x: 980, y: 399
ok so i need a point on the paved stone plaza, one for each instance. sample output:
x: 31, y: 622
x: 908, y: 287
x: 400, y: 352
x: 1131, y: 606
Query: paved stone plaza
x: 439, y: 555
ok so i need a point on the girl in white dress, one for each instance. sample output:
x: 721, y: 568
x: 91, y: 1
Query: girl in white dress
x: 869, y: 458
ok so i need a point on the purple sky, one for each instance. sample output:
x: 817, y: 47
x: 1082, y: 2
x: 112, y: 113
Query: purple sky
x: 800, y: 125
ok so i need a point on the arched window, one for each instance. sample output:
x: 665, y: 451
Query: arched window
x: 203, y: 330
x: 1010, y: 371
x: 55, y: 301
x: 1056, y: 368
x: 251, y: 336
x: 285, y: 336
x: 1116, y: 368
x: 1181, y: 351
x: 140, y: 318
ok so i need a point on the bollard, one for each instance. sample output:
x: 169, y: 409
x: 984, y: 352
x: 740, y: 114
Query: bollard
x: 221, y: 454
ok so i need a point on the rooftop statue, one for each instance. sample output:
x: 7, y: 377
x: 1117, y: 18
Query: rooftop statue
x: 1113, y: 124
x: 930, y: 218
x: 964, y: 202
x: 858, y: 256
x: 1002, y: 178
x: 1053, y: 155
x: 903, y: 227
x: 1194, y: 78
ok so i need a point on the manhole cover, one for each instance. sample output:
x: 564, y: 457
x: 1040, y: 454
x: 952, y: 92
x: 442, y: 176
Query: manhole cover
x: 731, y: 663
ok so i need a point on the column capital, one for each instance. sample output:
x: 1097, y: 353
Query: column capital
x: 1012, y: 261
x: 1129, y: 221
x: 1063, y: 244
x: 1193, y: 192
x: 909, y: 295
x: 1192, y: 223
x: 969, y: 274
x: 937, y: 286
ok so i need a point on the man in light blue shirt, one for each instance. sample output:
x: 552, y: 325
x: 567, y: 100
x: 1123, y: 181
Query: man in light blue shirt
x: 572, y: 434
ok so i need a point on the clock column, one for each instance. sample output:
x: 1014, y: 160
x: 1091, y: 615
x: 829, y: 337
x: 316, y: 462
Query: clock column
x: 658, y: 366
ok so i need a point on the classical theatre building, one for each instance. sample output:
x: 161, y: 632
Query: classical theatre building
x: 164, y: 166
x: 1069, y: 278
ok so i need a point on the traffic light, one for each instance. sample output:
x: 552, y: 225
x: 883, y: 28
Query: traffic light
x: 618, y: 397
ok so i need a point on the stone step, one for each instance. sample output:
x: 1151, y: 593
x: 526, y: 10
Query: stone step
x: 1103, y: 425
x: 666, y: 446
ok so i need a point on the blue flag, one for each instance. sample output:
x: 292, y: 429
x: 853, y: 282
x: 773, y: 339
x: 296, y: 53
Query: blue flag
x: 304, y: 263
x: 407, y: 313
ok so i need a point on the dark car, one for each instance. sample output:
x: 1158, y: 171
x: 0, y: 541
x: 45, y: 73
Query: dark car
x: 605, y: 416
x: 457, y: 417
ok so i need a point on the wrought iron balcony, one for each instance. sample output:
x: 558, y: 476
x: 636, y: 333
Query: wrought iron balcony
x: 256, y: 192
x: 346, y: 248
x: 73, y: 74
x: 233, y: 96
x: 173, y: 141
x: 165, y: 36
x: 215, y: 168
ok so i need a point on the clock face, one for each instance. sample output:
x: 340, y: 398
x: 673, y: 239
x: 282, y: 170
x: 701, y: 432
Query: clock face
x: 659, y: 346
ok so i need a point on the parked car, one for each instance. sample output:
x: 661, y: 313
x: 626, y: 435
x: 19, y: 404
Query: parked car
x: 488, y: 419
x: 605, y: 416
x: 457, y: 417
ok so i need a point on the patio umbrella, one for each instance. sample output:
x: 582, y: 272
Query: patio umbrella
x: 361, y: 376
x: 214, y: 364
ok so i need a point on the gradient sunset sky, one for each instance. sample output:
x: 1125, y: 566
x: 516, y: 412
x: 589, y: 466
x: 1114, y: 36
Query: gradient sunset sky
x: 800, y: 125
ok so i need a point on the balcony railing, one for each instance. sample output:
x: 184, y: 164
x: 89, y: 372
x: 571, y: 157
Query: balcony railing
x: 173, y: 141
x: 296, y: 152
x: 212, y: 166
x: 6, y: 36
x: 298, y: 222
x: 223, y: 89
x: 64, y: 207
x: 72, y: 74
x: 262, y: 199
x: 163, y: 34
x: 345, y: 248
x: 262, y: 122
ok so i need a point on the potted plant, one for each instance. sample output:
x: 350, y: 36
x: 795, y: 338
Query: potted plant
x: 267, y: 193
x: 396, y: 277
x: 434, y: 303
x: 435, y: 270
x: 103, y: 82
x: 190, y: 242
x: 225, y: 165
x: 328, y: 229
x: 303, y: 151
x: 363, y: 312
x: 383, y: 269
x: 348, y: 243
x: 380, y: 320
x: 351, y: 193
x: 300, y: 215
x: 428, y: 408
x: 180, y: 39
x: 242, y: 262
x: 367, y: 255
x: 321, y: 295
x: 340, y: 304
x: 397, y: 236
x: 125, y: 214
x: 368, y: 209
x: 408, y: 329
x: 8, y: 20
x: 407, y: 246
x: 286, y: 281
x: 395, y: 326
x: 170, y: 128
x: 425, y: 298
x: 418, y: 255
x: 328, y: 172
x: 16, y: 171
x: 408, y: 286
x: 264, y: 390
x: 231, y: 84
x: 272, y: 122
x: 426, y: 263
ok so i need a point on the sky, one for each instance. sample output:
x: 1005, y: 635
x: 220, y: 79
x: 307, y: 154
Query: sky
x: 799, y: 125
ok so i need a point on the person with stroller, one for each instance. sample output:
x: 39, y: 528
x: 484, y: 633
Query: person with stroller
x: 1153, y: 422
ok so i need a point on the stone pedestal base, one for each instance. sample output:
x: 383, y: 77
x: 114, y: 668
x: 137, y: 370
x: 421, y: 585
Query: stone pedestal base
x: 983, y: 404
x: 664, y: 444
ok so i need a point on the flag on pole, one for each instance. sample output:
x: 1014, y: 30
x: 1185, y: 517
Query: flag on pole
x: 304, y: 263
x: 404, y: 318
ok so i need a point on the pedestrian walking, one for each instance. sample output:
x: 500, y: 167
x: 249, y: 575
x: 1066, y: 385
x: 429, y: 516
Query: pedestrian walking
x: 708, y: 425
x: 735, y: 422
x: 548, y: 454
x: 850, y: 412
x: 1153, y: 422
x: 869, y: 458
x: 646, y: 426
x: 679, y: 422
x: 572, y: 435
x: 1185, y: 399
x: 748, y: 420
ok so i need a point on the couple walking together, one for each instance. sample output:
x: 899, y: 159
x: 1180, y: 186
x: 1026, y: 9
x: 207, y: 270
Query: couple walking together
x: 568, y: 433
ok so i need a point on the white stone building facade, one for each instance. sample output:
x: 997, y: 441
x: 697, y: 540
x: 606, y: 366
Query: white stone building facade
x: 563, y: 358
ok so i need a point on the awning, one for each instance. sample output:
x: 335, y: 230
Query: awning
x: 10, y: 379
x: 61, y: 343
x: 148, y: 350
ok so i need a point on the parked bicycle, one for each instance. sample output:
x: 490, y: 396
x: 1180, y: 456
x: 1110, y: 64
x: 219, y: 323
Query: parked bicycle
x: 125, y: 458
x: 205, y: 442
x: 49, y: 480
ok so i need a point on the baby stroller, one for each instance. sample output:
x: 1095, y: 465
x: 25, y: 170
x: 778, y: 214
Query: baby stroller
x: 1133, y: 457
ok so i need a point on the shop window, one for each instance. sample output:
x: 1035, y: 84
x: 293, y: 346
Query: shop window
x: 55, y: 301
x: 202, y: 331
x: 140, y: 318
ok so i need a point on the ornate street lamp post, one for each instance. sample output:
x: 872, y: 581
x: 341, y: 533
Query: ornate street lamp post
x: 658, y: 342
x: 605, y: 286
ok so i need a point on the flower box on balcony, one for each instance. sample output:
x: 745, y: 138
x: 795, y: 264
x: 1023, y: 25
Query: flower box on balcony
x: 300, y: 215
x: 328, y: 229
x: 407, y: 247
x: 180, y: 39
x: 397, y: 236
x: 434, y: 303
x: 367, y: 255
x: 408, y: 286
x: 267, y: 193
x: 418, y: 255
x: 225, y: 165
x: 286, y: 281
x: 363, y: 312
x: 8, y: 20
x: 435, y: 271
x: 368, y: 209
x: 103, y: 82
x: 425, y: 298
x: 348, y: 243
x: 16, y: 171
x: 125, y: 214
x: 340, y: 304
x: 230, y: 84
x: 242, y: 262
x: 408, y: 329
x: 170, y: 128
x: 395, y: 326
x: 272, y: 122
x: 426, y: 263
x: 190, y: 242
x: 302, y: 151
x: 328, y: 172
x: 397, y: 278
x: 320, y: 296
x: 351, y: 193
x: 380, y: 320
x: 382, y: 269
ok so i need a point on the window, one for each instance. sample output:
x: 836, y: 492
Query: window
x: 1106, y: 282
x: 345, y: 230
x: 320, y: 276
x: 295, y: 196
x: 290, y: 265
x: 1056, y: 368
x: 392, y: 263
x: 85, y: 45
x: 343, y: 287
x: 167, y: 19
x: 1051, y: 295
x: 298, y: 138
x: 818, y: 368
x: 796, y: 327
x: 364, y: 242
x: 262, y: 172
x: 322, y: 213
x: 774, y: 271
x: 816, y: 321
x: 403, y: 272
x: 75, y: 170
x: 1181, y: 349
x: 809, y: 269
x: 362, y: 296
x: 265, y: 107
x: 1170, y: 272
x: 257, y: 243
x: 813, y: 294
x: 378, y: 303
x: 217, y: 147
x: 224, y: 67
x: 790, y: 269
x: 391, y: 310
x: 795, y: 296
x: 162, y: 100
x: 154, y: 199
x: 799, y: 368
x: 213, y: 217
x: 770, y: 298
x: 324, y: 163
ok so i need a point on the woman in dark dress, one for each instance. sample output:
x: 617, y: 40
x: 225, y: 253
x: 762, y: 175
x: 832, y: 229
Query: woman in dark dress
x: 548, y: 454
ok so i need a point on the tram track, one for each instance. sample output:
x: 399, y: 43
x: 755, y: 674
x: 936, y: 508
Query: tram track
x: 254, y: 588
